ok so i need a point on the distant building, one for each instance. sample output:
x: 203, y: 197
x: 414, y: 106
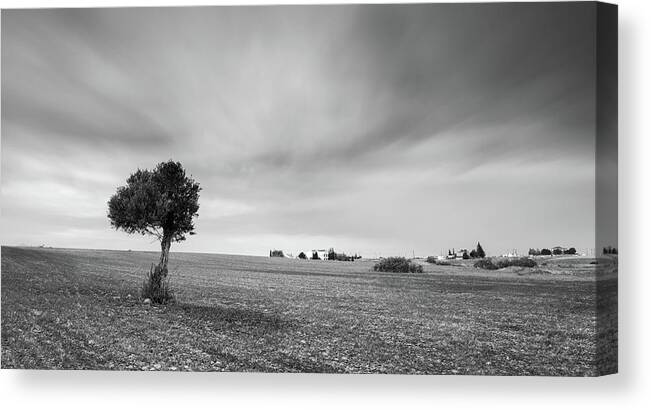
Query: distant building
x: 456, y: 254
x: 322, y: 253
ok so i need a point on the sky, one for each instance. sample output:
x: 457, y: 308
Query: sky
x: 383, y: 130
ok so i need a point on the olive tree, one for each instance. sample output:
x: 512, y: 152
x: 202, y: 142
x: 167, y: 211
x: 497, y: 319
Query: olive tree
x: 161, y: 203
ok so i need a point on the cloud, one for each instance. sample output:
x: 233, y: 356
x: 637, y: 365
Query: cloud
x: 380, y: 127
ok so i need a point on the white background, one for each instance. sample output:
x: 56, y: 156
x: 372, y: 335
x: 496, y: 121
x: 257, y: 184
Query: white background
x: 628, y: 389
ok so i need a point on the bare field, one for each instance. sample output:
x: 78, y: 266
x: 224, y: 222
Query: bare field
x: 79, y: 309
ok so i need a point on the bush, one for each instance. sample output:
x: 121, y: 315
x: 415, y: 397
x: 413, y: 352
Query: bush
x: 485, y: 264
x: 302, y: 256
x: 571, y: 251
x: 495, y: 263
x: 397, y: 264
x: 156, y: 286
x: 545, y: 252
x: 434, y: 260
x: 522, y: 262
x: 276, y: 254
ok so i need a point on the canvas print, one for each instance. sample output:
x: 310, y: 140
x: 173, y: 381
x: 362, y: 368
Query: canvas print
x: 396, y: 188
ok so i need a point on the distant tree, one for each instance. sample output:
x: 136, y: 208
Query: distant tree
x: 315, y: 256
x: 480, y: 251
x: 465, y: 255
x: 332, y: 255
x: 545, y: 251
x: 277, y: 254
x: 557, y: 251
x: 570, y: 251
x: 610, y: 250
x: 473, y: 254
x: 302, y: 256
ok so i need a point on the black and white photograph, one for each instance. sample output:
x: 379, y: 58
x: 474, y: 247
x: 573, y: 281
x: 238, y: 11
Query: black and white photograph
x: 417, y: 189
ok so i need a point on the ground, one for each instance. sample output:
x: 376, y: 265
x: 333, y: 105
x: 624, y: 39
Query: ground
x: 80, y: 309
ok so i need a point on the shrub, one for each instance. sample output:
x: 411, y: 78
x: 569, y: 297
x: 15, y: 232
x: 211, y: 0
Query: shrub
x: 465, y: 255
x: 434, y: 260
x: 534, y: 252
x: 523, y: 262
x: 302, y: 256
x: 276, y: 254
x: 557, y: 251
x: 397, y: 264
x: 485, y: 264
x: 499, y: 263
x: 156, y: 286
x: 571, y: 251
x: 545, y: 252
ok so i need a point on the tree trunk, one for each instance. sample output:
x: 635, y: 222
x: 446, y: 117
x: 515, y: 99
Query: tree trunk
x: 164, y: 252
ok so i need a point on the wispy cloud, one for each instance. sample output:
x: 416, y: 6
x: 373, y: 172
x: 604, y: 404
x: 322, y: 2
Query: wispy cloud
x: 379, y: 128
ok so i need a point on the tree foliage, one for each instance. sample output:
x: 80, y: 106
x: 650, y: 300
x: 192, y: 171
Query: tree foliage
x: 480, y: 251
x: 609, y: 250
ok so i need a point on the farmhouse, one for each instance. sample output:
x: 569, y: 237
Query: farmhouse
x: 322, y: 253
x: 456, y: 254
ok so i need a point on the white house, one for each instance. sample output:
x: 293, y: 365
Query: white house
x: 322, y: 253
